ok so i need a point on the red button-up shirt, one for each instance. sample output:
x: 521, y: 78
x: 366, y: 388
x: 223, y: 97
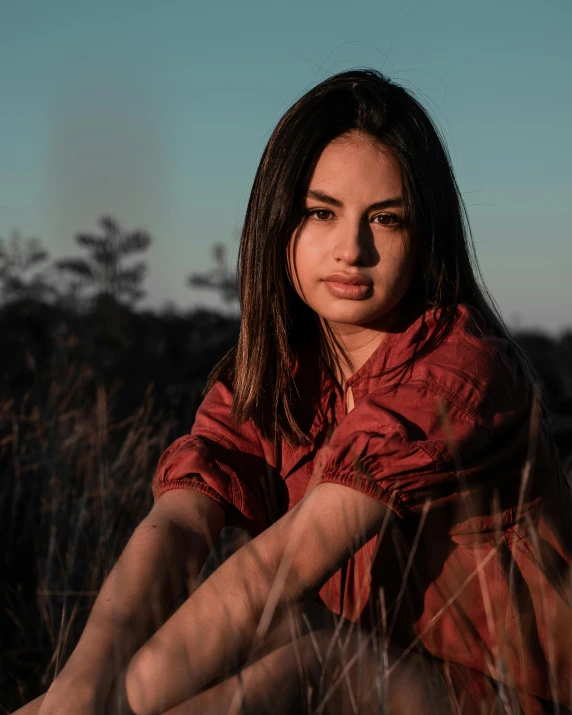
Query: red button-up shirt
x: 474, y: 562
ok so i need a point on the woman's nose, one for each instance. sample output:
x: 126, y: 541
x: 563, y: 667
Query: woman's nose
x: 351, y: 244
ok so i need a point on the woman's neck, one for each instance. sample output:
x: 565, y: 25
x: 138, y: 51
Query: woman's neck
x: 359, y: 342
x: 355, y: 345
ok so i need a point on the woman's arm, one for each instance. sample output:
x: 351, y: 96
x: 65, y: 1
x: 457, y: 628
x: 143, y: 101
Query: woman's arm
x: 162, y: 558
x: 287, y: 562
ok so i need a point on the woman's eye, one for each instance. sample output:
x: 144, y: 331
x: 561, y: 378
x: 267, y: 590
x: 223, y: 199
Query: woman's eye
x: 388, y: 219
x: 319, y: 213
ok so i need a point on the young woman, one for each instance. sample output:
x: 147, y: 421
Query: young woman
x: 377, y: 433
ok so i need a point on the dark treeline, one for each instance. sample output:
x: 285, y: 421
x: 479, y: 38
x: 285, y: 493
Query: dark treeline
x: 91, y: 392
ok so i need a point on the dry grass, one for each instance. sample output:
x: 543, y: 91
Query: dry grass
x: 76, y: 482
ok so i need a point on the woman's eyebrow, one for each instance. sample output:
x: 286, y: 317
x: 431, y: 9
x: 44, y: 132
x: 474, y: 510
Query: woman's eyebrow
x: 385, y: 204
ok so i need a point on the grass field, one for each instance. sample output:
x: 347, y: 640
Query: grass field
x: 76, y: 467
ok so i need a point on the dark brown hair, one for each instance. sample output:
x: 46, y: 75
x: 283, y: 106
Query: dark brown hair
x: 274, y: 320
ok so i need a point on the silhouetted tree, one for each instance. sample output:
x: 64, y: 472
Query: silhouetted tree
x: 220, y: 278
x: 20, y: 277
x: 104, y: 271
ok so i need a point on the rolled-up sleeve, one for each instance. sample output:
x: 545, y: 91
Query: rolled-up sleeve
x: 219, y: 458
x: 412, y: 446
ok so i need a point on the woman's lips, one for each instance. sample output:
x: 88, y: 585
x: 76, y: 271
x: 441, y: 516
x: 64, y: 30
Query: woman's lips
x: 349, y: 291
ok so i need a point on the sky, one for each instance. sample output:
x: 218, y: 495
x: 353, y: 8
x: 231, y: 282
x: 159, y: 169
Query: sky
x: 157, y: 113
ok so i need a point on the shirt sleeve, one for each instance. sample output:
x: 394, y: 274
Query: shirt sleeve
x: 221, y: 459
x: 419, y: 443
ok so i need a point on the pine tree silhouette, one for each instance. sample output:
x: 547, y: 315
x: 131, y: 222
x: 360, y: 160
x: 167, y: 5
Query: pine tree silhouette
x: 105, y: 271
x: 220, y: 278
x: 19, y: 275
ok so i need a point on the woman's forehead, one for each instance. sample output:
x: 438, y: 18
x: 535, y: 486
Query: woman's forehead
x: 356, y: 166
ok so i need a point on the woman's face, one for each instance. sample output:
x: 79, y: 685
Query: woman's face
x: 355, y: 231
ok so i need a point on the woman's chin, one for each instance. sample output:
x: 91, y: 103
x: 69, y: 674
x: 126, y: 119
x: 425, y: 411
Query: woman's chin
x: 353, y: 317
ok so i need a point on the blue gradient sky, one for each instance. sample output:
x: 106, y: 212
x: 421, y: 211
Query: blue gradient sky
x: 157, y: 113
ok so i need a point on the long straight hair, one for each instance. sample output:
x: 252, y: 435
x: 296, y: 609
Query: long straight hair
x: 274, y: 320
